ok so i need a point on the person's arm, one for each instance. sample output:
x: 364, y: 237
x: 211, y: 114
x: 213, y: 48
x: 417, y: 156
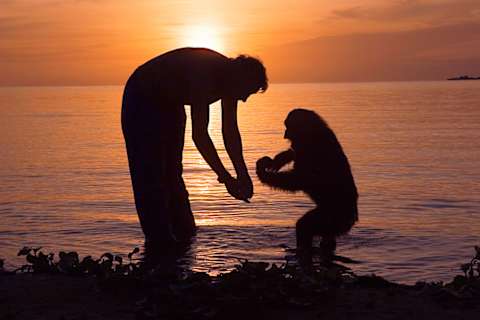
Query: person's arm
x: 203, y: 142
x: 286, y: 180
x: 233, y: 145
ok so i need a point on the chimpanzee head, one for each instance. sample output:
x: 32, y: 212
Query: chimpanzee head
x: 303, y: 125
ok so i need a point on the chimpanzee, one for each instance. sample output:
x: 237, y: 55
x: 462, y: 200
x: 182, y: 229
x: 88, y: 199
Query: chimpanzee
x: 321, y: 170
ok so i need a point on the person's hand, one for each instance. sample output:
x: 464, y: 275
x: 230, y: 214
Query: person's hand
x: 233, y: 188
x: 239, y: 189
x: 245, y: 187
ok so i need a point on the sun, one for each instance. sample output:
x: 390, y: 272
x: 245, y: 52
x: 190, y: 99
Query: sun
x: 202, y: 36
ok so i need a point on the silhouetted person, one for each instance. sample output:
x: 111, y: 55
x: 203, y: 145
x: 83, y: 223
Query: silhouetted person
x: 153, y: 123
x: 320, y: 169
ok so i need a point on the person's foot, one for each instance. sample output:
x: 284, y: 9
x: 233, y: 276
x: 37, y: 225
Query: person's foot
x: 161, y: 237
x: 164, y: 254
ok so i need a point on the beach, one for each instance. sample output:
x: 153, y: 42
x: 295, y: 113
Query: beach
x: 115, y: 288
x: 29, y: 296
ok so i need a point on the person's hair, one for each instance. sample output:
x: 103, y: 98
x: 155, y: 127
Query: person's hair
x: 255, y: 70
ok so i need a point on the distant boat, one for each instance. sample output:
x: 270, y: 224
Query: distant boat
x: 464, y: 78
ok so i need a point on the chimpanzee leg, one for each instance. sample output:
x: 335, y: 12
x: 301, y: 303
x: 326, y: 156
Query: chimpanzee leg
x: 305, y: 229
x: 315, y: 223
x: 328, y: 244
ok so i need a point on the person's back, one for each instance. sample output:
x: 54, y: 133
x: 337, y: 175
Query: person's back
x: 181, y: 76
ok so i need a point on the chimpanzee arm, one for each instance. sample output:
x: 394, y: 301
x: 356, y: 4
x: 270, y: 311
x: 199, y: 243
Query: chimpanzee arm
x: 285, y: 180
x: 282, y: 159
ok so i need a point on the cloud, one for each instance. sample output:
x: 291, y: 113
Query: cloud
x: 427, y: 54
x: 13, y: 26
x: 431, y: 12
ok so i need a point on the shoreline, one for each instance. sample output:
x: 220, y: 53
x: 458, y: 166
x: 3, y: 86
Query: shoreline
x: 109, y: 288
x: 29, y: 296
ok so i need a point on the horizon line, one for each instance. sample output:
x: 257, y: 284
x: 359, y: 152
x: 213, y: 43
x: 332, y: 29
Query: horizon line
x: 273, y: 82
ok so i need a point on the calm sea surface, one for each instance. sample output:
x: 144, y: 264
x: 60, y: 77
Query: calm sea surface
x: 414, y: 148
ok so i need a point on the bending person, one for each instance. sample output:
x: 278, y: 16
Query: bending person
x: 153, y: 124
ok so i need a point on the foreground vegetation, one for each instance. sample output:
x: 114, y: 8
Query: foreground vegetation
x: 253, y: 288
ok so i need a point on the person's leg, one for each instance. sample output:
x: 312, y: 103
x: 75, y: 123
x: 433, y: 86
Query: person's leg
x: 147, y: 160
x: 149, y: 188
x: 183, y: 222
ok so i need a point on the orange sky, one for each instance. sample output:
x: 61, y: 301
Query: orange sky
x: 53, y: 42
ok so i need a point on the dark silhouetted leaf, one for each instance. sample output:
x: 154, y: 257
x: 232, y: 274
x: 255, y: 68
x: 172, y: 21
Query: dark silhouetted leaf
x: 24, y: 251
x: 107, y: 255
x: 135, y: 251
x: 36, y: 249
x: 31, y: 258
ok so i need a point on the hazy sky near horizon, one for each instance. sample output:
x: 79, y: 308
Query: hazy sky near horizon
x: 53, y: 42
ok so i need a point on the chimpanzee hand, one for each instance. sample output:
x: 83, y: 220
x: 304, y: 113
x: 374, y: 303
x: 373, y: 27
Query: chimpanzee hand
x: 264, y: 165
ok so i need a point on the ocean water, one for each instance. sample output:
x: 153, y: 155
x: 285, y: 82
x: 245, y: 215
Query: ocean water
x: 414, y: 148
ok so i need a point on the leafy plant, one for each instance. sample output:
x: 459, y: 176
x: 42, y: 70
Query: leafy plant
x: 69, y: 263
x: 174, y: 293
x: 472, y: 269
x: 467, y: 286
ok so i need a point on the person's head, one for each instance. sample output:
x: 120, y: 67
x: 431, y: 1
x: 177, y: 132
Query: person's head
x: 248, y: 76
x: 303, y: 125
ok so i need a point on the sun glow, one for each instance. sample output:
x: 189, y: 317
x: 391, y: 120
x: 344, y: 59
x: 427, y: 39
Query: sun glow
x: 202, y: 36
